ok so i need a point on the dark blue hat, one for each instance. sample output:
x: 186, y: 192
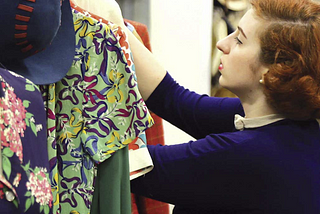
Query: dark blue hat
x: 37, y: 39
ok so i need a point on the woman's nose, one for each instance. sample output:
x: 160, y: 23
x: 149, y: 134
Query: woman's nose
x: 223, y: 45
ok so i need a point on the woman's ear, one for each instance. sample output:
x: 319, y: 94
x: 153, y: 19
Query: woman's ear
x: 263, y: 73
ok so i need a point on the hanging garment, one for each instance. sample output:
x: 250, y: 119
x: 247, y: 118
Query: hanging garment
x: 93, y: 113
x: 24, y: 166
x: 139, y: 159
x: 155, y: 135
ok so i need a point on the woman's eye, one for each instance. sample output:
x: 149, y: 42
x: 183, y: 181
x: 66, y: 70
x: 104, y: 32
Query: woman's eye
x: 238, y: 41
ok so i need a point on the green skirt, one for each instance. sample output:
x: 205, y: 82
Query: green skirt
x: 112, y: 186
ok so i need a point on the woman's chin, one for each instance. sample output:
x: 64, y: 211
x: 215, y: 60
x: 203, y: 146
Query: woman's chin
x: 222, y: 82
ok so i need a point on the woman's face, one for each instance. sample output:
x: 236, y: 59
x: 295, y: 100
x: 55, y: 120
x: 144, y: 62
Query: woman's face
x: 240, y: 67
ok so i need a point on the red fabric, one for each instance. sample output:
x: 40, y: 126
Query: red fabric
x: 142, y: 31
x: 142, y: 205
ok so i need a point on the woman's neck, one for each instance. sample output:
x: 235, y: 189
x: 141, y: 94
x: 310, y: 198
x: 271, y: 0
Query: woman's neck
x: 257, y: 107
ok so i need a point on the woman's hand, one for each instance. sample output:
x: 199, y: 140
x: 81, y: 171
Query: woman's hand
x: 107, y: 9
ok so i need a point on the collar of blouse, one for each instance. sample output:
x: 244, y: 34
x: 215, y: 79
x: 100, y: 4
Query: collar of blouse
x: 241, y: 123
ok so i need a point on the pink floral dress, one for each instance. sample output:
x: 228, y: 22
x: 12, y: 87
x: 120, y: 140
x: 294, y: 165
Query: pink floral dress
x: 24, y: 183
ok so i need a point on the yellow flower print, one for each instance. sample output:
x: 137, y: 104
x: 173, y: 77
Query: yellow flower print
x: 114, y: 93
x: 83, y: 25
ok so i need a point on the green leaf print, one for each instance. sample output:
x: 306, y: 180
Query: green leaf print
x: 6, y: 166
x: 30, y: 122
x: 27, y: 122
x: 40, y: 178
x: 28, y: 204
x: 28, y: 82
x: 33, y: 128
x: 8, y: 152
x: 29, y: 115
x: 26, y: 103
x: 26, y: 167
x: 46, y: 209
x: 30, y: 87
x: 15, y: 202
x: 27, y: 119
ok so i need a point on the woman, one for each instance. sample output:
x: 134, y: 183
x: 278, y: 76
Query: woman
x: 268, y: 159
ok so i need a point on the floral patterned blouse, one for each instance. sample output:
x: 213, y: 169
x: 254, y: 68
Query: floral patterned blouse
x: 94, y: 111
x: 24, y: 180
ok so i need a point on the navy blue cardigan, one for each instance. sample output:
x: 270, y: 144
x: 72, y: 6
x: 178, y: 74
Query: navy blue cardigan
x: 270, y: 169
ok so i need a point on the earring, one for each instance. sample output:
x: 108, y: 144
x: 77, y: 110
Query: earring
x: 261, y: 81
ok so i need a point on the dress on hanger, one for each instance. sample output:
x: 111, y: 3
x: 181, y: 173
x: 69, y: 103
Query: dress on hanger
x: 94, y: 112
x: 24, y: 166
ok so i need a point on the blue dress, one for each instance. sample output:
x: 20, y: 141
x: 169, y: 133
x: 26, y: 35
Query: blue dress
x: 24, y: 181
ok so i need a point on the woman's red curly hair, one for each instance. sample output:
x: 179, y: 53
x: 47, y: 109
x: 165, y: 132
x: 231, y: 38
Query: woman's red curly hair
x: 290, y: 48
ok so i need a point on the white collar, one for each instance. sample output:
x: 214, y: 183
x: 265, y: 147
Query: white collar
x: 241, y: 123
